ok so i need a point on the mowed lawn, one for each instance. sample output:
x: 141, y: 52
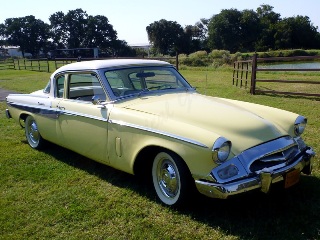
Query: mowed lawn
x: 57, y: 194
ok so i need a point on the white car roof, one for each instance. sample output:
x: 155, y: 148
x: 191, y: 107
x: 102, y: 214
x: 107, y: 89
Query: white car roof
x: 110, y: 63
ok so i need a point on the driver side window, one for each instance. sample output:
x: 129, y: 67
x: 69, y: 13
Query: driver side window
x: 84, y: 86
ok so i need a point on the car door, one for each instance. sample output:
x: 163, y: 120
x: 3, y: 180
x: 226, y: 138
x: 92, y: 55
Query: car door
x: 81, y: 125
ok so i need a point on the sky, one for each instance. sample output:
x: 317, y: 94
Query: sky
x: 131, y: 17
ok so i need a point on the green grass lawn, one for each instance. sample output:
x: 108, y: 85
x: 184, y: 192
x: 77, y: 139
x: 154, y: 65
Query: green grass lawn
x: 57, y: 194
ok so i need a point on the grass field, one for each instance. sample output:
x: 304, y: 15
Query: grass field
x: 57, y: 194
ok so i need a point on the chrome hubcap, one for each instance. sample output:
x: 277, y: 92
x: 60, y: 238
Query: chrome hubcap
x: 33, y: 132
x: 168, y: 179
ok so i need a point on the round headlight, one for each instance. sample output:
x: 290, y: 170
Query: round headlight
x: 299, y: 125
x: 221, y: 150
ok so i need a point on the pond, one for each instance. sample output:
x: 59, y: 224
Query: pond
x: 291, y: 65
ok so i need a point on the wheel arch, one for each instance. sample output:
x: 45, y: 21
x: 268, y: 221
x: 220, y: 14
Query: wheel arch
x: 144, y: 159
x: 22, y: 119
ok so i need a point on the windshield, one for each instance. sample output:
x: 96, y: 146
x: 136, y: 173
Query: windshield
x: 136, y: 80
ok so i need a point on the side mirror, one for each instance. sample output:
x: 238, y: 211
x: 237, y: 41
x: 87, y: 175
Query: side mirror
x: 95, y: 100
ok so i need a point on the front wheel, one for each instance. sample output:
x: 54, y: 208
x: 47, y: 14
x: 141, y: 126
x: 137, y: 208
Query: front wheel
x: 171, y: 179
x: 32, y: 133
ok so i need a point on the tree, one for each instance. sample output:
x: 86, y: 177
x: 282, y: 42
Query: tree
x: 225, y: 30
x: 250, y: 30
x: 77, y: 29
x: 166, y: 36
x: 296, y: 32
x: 69, y: 30
x: 99, y: 32
x: 196, y: 36
x: 268, y: 21
x: 29, y: 33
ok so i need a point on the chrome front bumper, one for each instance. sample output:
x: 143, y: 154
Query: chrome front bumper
x: 261, y: 180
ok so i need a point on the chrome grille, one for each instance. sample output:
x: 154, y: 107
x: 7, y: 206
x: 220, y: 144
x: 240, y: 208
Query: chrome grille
x: 282, y: 157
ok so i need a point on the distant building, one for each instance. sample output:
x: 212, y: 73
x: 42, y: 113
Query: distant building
x: 145, y: 47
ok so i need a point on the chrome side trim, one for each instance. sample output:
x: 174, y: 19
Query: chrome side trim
x: 52, y: 112
x: 130, y: 125
x: 77, y: 114
x: 36, y: 109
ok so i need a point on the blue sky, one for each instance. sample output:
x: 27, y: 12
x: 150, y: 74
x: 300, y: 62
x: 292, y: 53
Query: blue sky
x: 131, y: 17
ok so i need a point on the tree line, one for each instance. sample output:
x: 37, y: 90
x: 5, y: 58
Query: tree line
x: 232, y: 30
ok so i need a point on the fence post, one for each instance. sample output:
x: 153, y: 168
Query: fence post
x: 234, y: 71
x: 253, y: 74
x: 177, y: 61
x: 48, y: 65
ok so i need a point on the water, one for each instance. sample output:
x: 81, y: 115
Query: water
x: 292, y: 65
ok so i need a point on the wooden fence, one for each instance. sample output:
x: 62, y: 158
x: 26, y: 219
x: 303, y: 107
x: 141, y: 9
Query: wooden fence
x: 242, y: 71
x: 47, y: 65
x: 7, y: 63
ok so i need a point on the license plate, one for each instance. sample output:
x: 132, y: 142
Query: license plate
x: 292, y: 178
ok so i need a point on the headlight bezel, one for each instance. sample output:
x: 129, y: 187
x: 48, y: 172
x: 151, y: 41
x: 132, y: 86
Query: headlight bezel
x: 300, y: 125
x: 221, y: 150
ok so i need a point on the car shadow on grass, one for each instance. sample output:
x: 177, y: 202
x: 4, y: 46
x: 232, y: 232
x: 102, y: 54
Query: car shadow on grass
x: 282, y: 214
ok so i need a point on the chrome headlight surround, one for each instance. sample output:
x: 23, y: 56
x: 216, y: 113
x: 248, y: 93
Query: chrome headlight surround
x: 299, y: 125
x: 221, y: 150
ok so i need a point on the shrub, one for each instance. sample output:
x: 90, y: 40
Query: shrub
x: 219, y: 54
x: 199, y: 54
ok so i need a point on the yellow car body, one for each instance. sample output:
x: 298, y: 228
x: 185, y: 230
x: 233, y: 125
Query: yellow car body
x: 142, y: 117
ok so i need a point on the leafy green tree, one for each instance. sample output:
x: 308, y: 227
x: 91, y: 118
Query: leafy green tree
x: 268, y: 21
x: 225, y: 30
x: 250, y: 30
x: 99, y: 32
x: 167, y: 37
x: 77, y: 29
x: 29, y: 33
x: 196, y: 36
x: 296, y: 32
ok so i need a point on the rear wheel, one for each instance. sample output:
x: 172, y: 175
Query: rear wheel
x: 32, y: 133
x: 171, y: 178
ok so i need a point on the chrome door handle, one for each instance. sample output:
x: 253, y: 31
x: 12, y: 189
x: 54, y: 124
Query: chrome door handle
x: 60, y: 107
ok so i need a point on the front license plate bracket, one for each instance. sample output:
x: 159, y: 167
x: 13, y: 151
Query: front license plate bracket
x: 292, y: 178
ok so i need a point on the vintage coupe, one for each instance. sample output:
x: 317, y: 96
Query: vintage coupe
x: 143, y: 117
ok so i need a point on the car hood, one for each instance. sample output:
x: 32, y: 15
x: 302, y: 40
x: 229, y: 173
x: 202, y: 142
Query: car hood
x: 204, y: 115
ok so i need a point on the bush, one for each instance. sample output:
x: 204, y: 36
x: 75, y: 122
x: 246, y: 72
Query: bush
x: 199, y: 54
x: 219, y: 54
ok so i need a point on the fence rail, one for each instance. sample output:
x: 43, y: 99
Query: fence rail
x: 7, y: 63
x: 239, y: 77
x: 255, y: 69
